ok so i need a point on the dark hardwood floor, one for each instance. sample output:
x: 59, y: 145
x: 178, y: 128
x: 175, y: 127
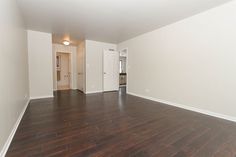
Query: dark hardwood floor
x: 116, y: 125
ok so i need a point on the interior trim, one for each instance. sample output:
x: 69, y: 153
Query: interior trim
x: 203, y: 111
x: 41, y: 97
x: 9, y: 139
x: 92, y: 92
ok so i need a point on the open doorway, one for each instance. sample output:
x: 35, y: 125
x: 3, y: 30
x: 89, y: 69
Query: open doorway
x: 123, y: 68
x: 63, y: 68
x: 81, y: 71
x: 123, y: 74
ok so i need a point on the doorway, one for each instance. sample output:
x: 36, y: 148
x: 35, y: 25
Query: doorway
x: 123, y: 68
x: 110, y: 70
x: 63, y: 66
x: 123, y: 74
x: 81, y: 67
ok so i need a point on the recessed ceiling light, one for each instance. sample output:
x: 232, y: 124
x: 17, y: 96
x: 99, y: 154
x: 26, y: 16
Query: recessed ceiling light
x: 65, y: 42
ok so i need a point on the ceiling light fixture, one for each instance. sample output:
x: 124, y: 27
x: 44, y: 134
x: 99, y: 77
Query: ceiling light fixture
x: 65, y: 42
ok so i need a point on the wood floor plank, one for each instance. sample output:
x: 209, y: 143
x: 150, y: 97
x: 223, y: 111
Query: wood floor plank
x: 115, y: 124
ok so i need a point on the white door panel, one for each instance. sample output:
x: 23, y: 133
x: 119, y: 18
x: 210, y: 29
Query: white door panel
x: 110, y: 71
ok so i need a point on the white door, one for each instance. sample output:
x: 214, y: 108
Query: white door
x: 80, y: 67
x: 110, y: 70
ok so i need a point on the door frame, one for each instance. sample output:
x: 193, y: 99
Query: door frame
x: 70, y: 68
x: 103, y: 69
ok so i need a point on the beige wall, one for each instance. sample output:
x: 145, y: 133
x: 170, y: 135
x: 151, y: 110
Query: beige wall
x: 40, y: 64
x: 94, y: 69
x: 191, y: 62
x: 14, y: 70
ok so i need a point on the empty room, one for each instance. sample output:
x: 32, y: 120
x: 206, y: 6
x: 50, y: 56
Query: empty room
x: 109, y: 78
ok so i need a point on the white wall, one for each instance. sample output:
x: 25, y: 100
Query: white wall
x: 191, y: 62
x: 94, y: 62
x: 40, y: 64
x: 66, y: 49
x: 14, y: 71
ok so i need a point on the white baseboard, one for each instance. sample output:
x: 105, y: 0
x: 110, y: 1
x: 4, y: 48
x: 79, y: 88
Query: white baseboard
x: 203, y: 111
x: 41, y: 97
x: 9, y: 139
x: 54, y: 90
x: 92, y: 92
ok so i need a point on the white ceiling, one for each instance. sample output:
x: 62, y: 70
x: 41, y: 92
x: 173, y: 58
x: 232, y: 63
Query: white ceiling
x: 108, y: 20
